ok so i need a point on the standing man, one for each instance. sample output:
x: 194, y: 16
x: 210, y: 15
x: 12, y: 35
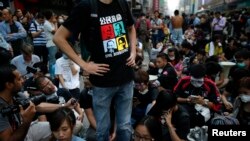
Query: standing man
x: 177, y: 33
x: 218, y: 24
x: 111, y: 73
x: 39, y: 37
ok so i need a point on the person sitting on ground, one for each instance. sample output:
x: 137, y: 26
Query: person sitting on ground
x: 175, y: 120
x: 231, y: 90
x: 62, y: 122
x: 39, y: 69
x: 167, y: 76
x: 199, y: 95
x: 144, y: 95
x: 27, y: 58
x: 242, y: 104
x: 175, y: 60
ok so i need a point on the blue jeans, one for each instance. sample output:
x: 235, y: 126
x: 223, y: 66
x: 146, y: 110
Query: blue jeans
x: 52, y: 60
x: 122, y: 96
x: 177, y: 34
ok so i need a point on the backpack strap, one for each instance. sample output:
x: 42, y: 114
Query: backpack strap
x: 35, y: 25
x: 93, y: 8
x: 123, y: 6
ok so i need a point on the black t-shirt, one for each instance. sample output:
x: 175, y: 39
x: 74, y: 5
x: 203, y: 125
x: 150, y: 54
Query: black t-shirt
x: 107, y: 41
x: 86, y: 99
x: 146, y: 98
x: 181, y: 122
x: 232, y: 88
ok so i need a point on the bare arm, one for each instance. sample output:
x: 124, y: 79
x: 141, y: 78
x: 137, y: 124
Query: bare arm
x: 60, y: 39
x: 73, y: 68
x: 49, y: 107
x: 228, y: 105
x: 61, y: 80
x: 91, y: 117
x: 221, y: 79
x: 132, y: 39
x: 36, y: 34
x: 171, y: 128
x: 79, y: 111
x: 17, y: 135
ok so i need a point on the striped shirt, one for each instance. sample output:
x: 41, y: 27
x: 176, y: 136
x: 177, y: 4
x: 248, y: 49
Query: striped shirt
x: 41, y: 39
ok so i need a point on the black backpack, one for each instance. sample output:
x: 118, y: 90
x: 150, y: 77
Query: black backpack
x: 92, y: 23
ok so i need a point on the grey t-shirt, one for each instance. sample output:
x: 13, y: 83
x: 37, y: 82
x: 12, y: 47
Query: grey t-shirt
x: 11, y: 120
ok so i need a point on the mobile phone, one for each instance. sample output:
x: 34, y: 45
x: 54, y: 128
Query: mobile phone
x: 193, y: 96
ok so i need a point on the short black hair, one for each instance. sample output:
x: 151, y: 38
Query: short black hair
x: 165, y: 100
x: 42, y: 66
x: 6, y: 75
x: 198, y: 70
x: 176, y: 12
x: 186, y: 44
x: 40, y: 15
x: 48, y: 14
x: 5, y: 56
x: 162, y: 55
x: 212, y: 68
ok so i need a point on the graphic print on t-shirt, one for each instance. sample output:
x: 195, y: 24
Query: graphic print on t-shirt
x: 113, y: 35
x: 107, y: 32
x: 109, y: 46
x: 119, y: 29
x: 122, y: 43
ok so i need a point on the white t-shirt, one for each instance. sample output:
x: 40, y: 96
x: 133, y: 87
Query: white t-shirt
x: 156, y: 22
x: 48, y: 28
x: 21, y: 65
x: 63, y: 67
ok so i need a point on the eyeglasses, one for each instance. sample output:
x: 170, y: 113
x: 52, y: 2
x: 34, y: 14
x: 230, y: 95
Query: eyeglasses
x: 137, y: 137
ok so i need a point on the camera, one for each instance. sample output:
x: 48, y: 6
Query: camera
x: 52, y: 99
x: 30, y: 69
x: 10, y: 109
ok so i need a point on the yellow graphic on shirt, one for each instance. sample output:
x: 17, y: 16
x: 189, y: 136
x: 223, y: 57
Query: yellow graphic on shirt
x: 122, y: 42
